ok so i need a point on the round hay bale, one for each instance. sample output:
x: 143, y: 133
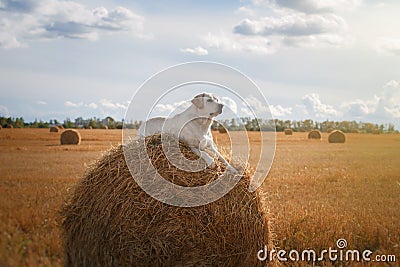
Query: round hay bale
x: 336, y: 137
x: 288, y: 131
x: 1, y: 127
x: 90, y: 127
x: 9, y: 126
x: 110, y: 221
x: 222, y: 129
x: 330, y: 130
x: 70, y: 137
x: 314, y: 134
x: 105, y: 127
x: 54, y: 129
x: 60, y: 127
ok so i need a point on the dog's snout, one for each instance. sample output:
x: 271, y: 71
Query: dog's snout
x: 220, y: 106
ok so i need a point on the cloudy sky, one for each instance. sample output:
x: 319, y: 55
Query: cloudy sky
x: 319, y: 59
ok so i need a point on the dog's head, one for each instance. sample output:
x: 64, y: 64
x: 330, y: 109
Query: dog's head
x: 208, y: 105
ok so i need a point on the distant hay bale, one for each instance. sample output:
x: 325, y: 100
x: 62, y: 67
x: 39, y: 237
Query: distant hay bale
x: 336, y: 137
x: 330, y: 130
x: 104, y: 127
x: 60, y: 127
x: 9, y: 126
x: 1, y: 127
x: 314, y: 134
x: 288, y: 131
x: 70, y: 137
x: 302, y: 130
x: 90, y: 127
x: 355, y: 131
x: 110, y: 221
x: 222, y: 129
x: 376, y: 131
x: 54, y: 129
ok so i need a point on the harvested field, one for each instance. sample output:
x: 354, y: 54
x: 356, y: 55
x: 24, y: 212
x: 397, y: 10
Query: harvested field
x: 317, y: 192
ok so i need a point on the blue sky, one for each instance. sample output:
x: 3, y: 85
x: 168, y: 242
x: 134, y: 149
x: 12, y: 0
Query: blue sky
x: 337, y: 60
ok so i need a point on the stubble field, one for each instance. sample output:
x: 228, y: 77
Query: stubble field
x: 317, y: 192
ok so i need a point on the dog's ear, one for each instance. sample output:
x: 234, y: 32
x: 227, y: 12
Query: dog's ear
x: 198, y: 102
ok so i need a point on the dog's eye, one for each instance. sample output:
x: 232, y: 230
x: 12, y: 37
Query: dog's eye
x: 209, y: 100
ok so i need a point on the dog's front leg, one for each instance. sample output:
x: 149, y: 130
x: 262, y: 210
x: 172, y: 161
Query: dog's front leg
x: 204, y: 155
x: 214, y: 150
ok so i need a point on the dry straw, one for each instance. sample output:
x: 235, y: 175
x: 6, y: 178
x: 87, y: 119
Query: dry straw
x: 1, y: 127
x: 54, y: 129
x: 110, y: 221
x: 314, y: 134
x: 336, y: 137
x: 70, y: 137
x: 288, y: 132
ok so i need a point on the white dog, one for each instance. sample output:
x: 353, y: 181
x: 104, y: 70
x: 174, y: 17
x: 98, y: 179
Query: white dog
x: 193, y: 126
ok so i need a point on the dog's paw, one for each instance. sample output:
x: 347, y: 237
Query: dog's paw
x: 211, y: 164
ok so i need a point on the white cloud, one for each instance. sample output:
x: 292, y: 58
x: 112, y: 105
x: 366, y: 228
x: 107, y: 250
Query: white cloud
x: 200, y: 51
x: 256, y: 105
x: 385, y: 105
x: 297, y: 24
x: 388, y: 46
x: 92, y: 105
x: 109, y: 104
x: 311, y: 6
x: 297, y: 29
x: 174, y: 107
x: 288, y: 24
x: 41, y: 102
x: 232, y: 43
x: 8, y: 40
x: 264, y: 110
x: 314, y: 106
x: 4, y: 112
x: 244, y: 10
x: 72, y: 104
x: 23, y: 21
x: 279, y: 111
x: 246, y: 112
x: 230, y: 103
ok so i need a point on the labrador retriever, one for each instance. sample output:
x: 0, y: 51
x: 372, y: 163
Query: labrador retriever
x: 192, y: 126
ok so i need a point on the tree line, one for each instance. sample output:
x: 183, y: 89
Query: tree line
x: 230, y: 124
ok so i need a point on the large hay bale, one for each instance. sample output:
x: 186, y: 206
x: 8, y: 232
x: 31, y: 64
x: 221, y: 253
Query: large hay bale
x: 314, y: 134
x: 111, y: 221
x: 336, y: 137
x: 288, y: 131
x: 54, y: 129
x: 70, y: 137
x: 9, y: 126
